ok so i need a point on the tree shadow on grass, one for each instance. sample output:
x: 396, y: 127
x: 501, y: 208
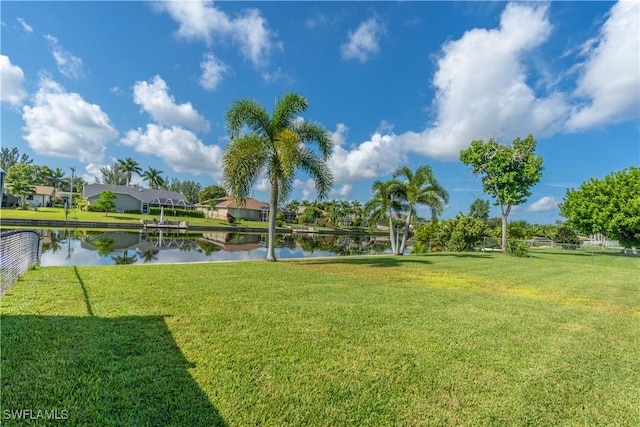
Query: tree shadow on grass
x: 373, y: 261
x: 101, y: 371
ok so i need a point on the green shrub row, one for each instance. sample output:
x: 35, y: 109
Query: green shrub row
x: 191, y: 213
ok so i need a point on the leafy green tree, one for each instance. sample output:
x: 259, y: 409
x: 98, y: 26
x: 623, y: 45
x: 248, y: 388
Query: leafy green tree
x: 21, y: 181
x: 567, y: 236
x: 479, y: 209
x: 113, y: 174
x: 277, y: 144
x: 211, y: 192
x: 309, y: 215
x: 153, y: 177
x: 10, y: 157
x: 106, y: 201
x: 419, y: 188
x: 191, y: 190
x: 610, y: 206
x: 508, y: 172
x: 129, y: 167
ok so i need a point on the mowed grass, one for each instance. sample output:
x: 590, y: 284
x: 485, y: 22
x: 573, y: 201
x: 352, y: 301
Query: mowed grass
x: 442, y: 339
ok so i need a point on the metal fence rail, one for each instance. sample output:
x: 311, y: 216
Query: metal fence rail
x: 19, y: 251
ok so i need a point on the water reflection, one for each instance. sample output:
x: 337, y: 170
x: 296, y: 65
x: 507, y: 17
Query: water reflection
x: 92, y: 247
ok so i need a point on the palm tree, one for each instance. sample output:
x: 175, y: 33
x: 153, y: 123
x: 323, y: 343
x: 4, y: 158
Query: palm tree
x: 113, y: 174
x: 153, y: 177
x: 419, y: 188
x: 129, y: 166
x: 57, y: 176
x: 384, y: 203
x: 276, y: 144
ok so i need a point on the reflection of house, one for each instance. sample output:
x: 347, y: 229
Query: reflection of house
x: 136, y: 198
x: 233, y: 242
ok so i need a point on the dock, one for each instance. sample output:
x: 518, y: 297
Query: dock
x: 164, y: 225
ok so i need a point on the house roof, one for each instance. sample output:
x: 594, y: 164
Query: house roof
x: 43, y: 190
x: 146, y: 195
x: 249, y: 203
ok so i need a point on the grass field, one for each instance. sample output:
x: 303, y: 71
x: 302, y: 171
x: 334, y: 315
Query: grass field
x: 442, y: 339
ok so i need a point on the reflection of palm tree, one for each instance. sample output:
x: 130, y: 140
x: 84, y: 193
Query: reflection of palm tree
x: 55, y: 241
x: 149, y: 255
x: 103, y: 245
x: 207, y: 247
x: 125, y: 258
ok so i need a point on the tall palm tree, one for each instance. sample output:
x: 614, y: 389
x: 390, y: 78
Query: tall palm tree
x: 278, y: 145
x: 383, y: 204
x: 153, y: 177
x: 129, y: 166
x: 56, y: 177
x: 419, y: 188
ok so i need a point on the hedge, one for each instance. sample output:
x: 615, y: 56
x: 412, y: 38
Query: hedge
x: 192, y: 213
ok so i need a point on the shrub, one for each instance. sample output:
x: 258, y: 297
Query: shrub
x: 567, y: 237
x: 191, y: 213
x: 518, y: 248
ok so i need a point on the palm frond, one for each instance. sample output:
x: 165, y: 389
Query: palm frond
x: 319, y: 171
x: 286, y: 110
x: 243, y: 160
x: 311, y: 132
x: 247, y: 112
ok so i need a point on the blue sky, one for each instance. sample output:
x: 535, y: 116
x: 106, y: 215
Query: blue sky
x: 396, y: 83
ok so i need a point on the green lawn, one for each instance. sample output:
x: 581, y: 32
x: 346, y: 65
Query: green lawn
x: 76, y: 215
x: 442, y: 339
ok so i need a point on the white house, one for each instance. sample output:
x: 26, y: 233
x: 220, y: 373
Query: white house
x: 136, y: 198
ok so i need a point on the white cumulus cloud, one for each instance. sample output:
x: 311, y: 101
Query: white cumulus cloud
x: 69, y: 65
x: 545, y: 203
x: 200, y: 19
x: 62, y: 124
x: 378, y: 156
x: 481, y: 87
x: 610, y: 78
x: 363, y: 43
x: 154, y: 98
x: 11, y: 82
x: 179, y: 148
x: 26, y: 27
x: 213, y: 71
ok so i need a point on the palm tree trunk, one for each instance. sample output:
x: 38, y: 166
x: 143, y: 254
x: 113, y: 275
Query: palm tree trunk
x: 273, y: 212
x: 392, y: 235
x: 405, y: 236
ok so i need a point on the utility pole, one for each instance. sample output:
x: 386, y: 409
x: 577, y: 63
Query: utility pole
x: 73, y: 171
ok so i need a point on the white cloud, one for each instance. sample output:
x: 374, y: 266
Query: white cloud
x: 344, y: 191
x: 308, y: 188
x: 213, y: 71
x: 545, y: 203
x: 69, y: 65
x: 11, y: 80
x: 179, y: 148
x: 363, y: 42
x: 26, y: 27
x: 154, y: 98
x: 379, y: 156
x: 202, y: 20
x: 610, y: 79
x: 62, y: 124
x: 481, y: 87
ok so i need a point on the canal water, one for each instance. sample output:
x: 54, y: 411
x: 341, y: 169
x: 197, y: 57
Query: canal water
x: 93, y: 247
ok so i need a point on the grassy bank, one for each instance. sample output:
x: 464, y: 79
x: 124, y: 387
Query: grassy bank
x: 470, y: 339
